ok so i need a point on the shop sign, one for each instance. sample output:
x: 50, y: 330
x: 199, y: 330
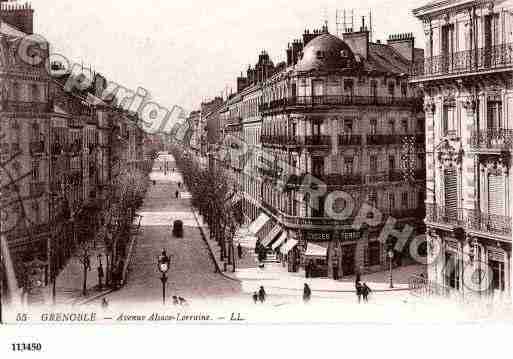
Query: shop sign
x: 318, y: 236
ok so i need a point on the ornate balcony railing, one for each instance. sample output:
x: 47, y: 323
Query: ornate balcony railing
x: 493, y: 138
x: 37, y: 147
x: 320, y: 140
x: 461, y: 62
x: 37, y: 189
x: 373, y: 178
x: 349, y: 140
x: 486, y: 222
x: 26, y: 107
x: 331, y: 180
x: 445, y: 215
x: 469, y: 219
x: 382, y: 139
x: 338, y: 100
x: 279, y: 140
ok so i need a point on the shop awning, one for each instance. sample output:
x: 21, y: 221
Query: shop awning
x: 280, y: 240
x: 316, y: 250
x: 285, y: 249
x: 271, y: 236
x: 258, y: 223
x: 245, y: 238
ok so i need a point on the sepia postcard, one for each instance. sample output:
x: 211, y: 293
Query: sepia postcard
x: 255, y: 162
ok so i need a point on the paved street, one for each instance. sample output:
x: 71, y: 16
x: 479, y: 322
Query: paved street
x: 192, y: 271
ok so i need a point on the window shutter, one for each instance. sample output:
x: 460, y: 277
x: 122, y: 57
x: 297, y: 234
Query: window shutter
x: 496, y: 194
x: 451, y: 192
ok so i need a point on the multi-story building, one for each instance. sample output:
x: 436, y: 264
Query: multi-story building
x: 58, y: 149
x: 467, y: 80
x: 343, y: 112
x: 25, y: 138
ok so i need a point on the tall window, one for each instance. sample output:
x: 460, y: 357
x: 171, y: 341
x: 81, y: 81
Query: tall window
x: 35, y: 171
x: 404, y: 125
x: 348, y: 126
x: 373, y: 198
x: 391, y: 126
x: 391, y: 162
x: 374, y: 88
x: 404, y: 89
x: 494, y: 114
x: 373, y: 126
x: 404, y: 200
x: 449, y: 120
x: 451, y: 192
x: 391, y: 88
x: 348, y: 165
x: 334, y: 164
x: 373, y: 163
x: 391, y: 201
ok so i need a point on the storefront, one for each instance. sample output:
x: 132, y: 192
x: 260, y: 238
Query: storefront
x: 316, y: 259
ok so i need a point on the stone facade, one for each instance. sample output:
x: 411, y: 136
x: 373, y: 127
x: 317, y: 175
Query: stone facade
x: 467, y: 80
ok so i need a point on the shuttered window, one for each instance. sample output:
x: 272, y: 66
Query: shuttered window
x: 496, y: 193
x: 451, y: 192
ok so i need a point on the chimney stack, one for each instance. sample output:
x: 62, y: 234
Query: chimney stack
x: 404, y: 44
x: 21, y: 16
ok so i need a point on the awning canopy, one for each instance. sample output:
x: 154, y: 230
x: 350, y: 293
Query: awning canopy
x: 285, y: 249
x: 316, y: 250
x: 271, y: 236
x: 280, y: 240
x: 258, y: 223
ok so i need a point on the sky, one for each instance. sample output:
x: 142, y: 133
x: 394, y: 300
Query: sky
x: 186, y: 52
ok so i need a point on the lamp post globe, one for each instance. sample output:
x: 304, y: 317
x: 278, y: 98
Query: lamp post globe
x: 163, y: 267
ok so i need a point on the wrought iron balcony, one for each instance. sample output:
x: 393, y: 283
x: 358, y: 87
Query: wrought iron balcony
x: 376, y: 178
x: 383, y: 139
x: 349, y: 140
x: 485, y: 222
x: 462, y: 62
x: 26, y: 107
x: 37, y: 189
x: 337, y: 100
x: 331, y: 180
x: 320, y: 140
x: 492, y: 139
x: 37, y: 147
x: 279, y: 140
x: 469, y: 219
x: 445, y: 215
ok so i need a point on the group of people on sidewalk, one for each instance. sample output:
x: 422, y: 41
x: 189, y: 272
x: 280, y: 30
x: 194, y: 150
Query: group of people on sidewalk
x: 362, y: 290
x: 260, y: 295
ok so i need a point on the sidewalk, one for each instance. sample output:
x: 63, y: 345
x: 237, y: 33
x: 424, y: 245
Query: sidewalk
x: 276, y: 276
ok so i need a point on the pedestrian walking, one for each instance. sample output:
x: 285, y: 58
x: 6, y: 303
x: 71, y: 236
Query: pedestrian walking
x: 307, y: 293
x: 255, y: 297
x: 261, y: 294
x: 105, y: 303
x: 358, y: 287
x: 365, y: 292
x: 177, y: 194
x: 239, y: 250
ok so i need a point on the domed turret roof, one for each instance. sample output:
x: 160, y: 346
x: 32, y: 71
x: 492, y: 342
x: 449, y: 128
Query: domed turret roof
x: 326, y: 52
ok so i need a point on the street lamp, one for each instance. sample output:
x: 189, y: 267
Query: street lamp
x: 163, y: 266
x: 391, y: 256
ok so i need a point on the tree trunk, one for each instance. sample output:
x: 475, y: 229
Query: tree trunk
x: 84, y: 284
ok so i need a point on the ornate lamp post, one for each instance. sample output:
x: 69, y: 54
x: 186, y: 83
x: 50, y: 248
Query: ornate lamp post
x: 163, y: 266
x: 390, y: 257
